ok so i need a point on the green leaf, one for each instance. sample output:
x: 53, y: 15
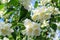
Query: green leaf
x: 13, y: 2
x: 23, y: 13
x: 1, y: 6
x: 53, y: 26
x: 36, y: 4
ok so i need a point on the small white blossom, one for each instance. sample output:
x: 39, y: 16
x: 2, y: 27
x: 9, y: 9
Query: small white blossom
x: 27, y: 23
x: 50, y: 8
x: 53, y: 10
x: 32, y: 28
x: 56, y: 11
x: 5, y: 29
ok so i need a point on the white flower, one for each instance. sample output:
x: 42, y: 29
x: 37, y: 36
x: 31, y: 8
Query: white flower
x: 27, y: 23
x: 5, y: 29
x: 36, y: 29
x: 50, y: 8
x: 32, y: 28
x: 44, y: 2
x: 56, y: 11
x: 53, y: 10
x: 5, y: 38
x: 41, y: 14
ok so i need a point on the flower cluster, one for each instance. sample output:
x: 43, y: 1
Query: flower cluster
x: 44, y: 13
x: 41, y: 14
x: 5, y: 29
x: 32, y: 28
